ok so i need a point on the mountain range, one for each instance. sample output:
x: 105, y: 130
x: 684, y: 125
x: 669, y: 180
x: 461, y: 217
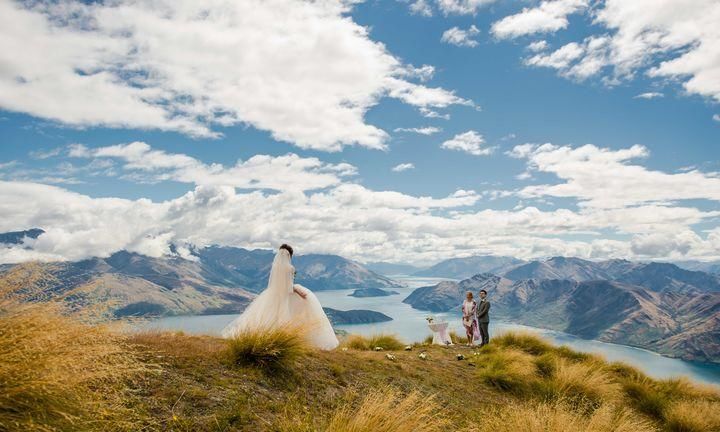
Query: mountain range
x: 654, y: 276
x: 386, y: 268
x: 657, y: 306
x: 461, y: 268
x: 214, y: 280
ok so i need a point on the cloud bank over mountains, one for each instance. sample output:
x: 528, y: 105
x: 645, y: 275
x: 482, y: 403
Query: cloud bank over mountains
x: 623, y: 210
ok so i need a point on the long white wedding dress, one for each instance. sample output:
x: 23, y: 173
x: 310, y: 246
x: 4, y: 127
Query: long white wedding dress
x: 279, y: 306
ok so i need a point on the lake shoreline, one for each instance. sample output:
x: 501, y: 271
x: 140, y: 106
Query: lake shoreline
x: 410, y: 325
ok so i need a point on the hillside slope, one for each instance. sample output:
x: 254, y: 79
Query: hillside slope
x: 103, y: 379
x: 679, y: 324
x: 129, y: 284
x: 213, y: 280
x: 510, y: 386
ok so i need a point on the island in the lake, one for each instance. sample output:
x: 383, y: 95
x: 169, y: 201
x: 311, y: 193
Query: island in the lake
x: 372, y: 292
x: 355, y: 316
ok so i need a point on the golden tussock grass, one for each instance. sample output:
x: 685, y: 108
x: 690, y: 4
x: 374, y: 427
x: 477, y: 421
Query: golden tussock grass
x: 693, y: 416
x: 385, y: 410
x: 507, y: 369
x: 683, y: 388
x: 644, y: 396
x: 560, y: 416
x: 272, y: 349
x: 655, y: 397
x: 624, y: 370
x: 56, y: 372
x: 572, y: 355
x: 580, y: 383
x: 59, y: 374
x: 523, y: 341
x: 527, y: 366
x: 523, y: 363
x: 387, y: 342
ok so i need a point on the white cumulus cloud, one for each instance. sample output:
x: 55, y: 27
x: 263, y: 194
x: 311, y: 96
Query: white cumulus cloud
x: 421, y: 7
x: 462, y: 7
x: 403, y: 167
x: 468, y: 142
x: 307, y: 75
x: 537, y: 46
x: 348, y: 219
x: 460, y: 37
x: 605, y: 178
x: 425, y: 130
x: 649, y: 95
x: 548, y: 17
x: 664, y: 39
x: 288, y: 172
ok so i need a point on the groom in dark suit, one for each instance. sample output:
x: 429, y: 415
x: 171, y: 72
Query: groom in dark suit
x: 483, y: 317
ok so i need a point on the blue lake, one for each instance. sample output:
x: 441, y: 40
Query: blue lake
x: 410, y: 325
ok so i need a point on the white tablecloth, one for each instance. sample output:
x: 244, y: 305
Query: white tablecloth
x: 440, y: 333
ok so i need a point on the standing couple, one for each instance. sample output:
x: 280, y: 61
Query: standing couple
x: 285, y: 304
x: 476, y: 318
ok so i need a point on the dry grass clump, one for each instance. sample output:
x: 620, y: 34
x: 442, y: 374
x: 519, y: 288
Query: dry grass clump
x: 386, y: 341
x: 274, y: 349
x: 655, y: 397
x: 526, y: 365
x: 645, y: 397
x: 693, y: 416
x: 546, y: 365
x: 524, y: 341
x: 508, y: 370
x: 59, y: 374
x: 683, y: 388
x: 581, y: 383
x: 386, y: 410
x: 572, y: 355
x: 559, y: 416
x: 624, y: 370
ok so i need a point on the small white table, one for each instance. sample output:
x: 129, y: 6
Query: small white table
x: 440, y: 333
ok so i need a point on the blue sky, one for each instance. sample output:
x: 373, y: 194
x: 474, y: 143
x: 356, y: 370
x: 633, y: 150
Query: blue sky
x: 69, y: 114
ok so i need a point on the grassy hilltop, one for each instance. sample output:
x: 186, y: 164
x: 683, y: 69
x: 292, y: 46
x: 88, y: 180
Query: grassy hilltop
x: 60, y: 371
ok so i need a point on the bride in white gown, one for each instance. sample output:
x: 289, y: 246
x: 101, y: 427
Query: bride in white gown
x: 284, y: 303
